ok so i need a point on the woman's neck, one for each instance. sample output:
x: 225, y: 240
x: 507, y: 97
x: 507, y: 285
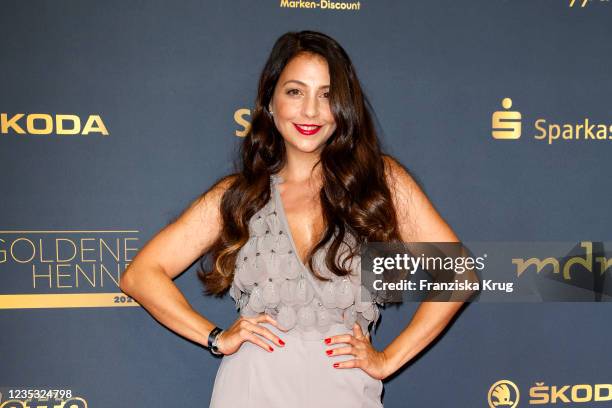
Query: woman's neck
x: 301, y: 168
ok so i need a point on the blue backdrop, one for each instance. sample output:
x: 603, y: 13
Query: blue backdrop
x: 155, y: 97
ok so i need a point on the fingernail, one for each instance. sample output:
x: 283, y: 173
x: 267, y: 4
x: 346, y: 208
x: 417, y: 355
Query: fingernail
x: 329, y: 352
x: 271, y: 349
x: 336, y: 365
x: 282, y: 343
x: 327, y: 340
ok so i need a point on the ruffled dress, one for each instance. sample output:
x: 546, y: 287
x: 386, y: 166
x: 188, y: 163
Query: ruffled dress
x: 270, y: 278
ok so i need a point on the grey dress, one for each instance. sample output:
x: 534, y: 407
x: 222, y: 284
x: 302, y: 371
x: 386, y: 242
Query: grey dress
x: 270, y: 278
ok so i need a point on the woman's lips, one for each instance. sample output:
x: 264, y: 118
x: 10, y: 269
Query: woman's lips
x: 307, y: 129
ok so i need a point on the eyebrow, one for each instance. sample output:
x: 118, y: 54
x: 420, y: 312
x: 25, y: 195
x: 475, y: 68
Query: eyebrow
x: 302, y: 83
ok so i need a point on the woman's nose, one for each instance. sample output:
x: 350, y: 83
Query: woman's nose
x: 310, y: 107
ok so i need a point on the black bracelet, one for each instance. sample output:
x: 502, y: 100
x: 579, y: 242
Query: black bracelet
x: 212, y: 336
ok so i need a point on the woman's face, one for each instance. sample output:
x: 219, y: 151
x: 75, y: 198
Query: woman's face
x: 300, y: 104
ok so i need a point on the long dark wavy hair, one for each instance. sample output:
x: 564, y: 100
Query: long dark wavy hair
x: 354, y: 196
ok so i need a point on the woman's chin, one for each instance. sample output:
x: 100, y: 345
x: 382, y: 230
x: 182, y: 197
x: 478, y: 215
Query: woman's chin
x: 307, y: 147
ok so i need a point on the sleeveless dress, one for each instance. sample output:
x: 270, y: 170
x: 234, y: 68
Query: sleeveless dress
x: 270, y: 278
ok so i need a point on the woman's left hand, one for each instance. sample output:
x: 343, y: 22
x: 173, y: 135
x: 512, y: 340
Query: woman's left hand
x: 370, y: 360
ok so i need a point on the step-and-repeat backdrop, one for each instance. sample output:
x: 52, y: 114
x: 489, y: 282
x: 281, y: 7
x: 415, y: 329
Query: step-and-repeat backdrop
x: 114, y: 115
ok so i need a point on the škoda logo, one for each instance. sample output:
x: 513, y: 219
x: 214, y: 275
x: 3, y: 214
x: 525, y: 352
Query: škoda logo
x: 503, y: 393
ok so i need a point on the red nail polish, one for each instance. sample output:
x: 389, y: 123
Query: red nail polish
x: 282, y: 343
x: 327, y: 340
x: 271, y: 349
x: 329, y: 352
x: 336, y: 365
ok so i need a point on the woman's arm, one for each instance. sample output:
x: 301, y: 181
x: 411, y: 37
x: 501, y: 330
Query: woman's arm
x: 418, y: 221
x: 149, y: 277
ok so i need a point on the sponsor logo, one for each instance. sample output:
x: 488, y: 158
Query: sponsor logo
x: 505, y: 393
x: 45, y: 124
x: 322, y: 5
x: 507, y: 124
x: 602, y: 263
x: 64, y: 269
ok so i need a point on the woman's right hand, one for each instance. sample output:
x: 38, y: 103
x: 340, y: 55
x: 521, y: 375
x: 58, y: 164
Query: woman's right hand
x: 248, y: 329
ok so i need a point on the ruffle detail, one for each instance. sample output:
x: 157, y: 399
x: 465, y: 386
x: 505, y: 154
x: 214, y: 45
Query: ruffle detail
x: 270, y: 278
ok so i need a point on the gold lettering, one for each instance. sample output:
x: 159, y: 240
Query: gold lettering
x: 540, y: 393
x: 239, y: 118
x: 59, y: 123
x: 104, y: 271
x: 83, y: 250
x: 541, y: 129
x: 95, y: 120
x: 558, y: 393
x: 599, y: 388
x: 80, y: 271
x: 2, y: 252
x: 115, y: 255
x: 59, y: 275
x: 522, y: 264
x: 35, y: 275
x: 126, y: 249
x: 588, y: 393
x: 57, y: 250
x: 13, y: 251
x: 587, y: 261
x: 11, y: 123
x: 48, y: 120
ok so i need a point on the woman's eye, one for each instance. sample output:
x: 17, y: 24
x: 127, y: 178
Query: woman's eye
x: 293, y: 92
x: 326, y: 95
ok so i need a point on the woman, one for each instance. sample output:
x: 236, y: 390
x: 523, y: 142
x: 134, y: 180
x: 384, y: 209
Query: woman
x: 283, y: 234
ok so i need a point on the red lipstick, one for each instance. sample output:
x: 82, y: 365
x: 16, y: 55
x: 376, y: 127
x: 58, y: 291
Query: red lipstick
x: 307, y: 129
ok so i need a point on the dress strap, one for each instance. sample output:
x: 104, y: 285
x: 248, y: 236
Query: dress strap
x: 276, y: 179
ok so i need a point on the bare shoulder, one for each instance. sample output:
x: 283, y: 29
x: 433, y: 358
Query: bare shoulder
x: 405, y: 191
x: 418, y: 219
x: 211, y: 198
x: 201, y: 221
x: 399, y: 180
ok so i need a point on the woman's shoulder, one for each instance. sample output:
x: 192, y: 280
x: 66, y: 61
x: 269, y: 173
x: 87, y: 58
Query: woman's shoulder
x: 419, y: 219
x: 399, y: 179
x: 209, y: 201
x: 220, y: 186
